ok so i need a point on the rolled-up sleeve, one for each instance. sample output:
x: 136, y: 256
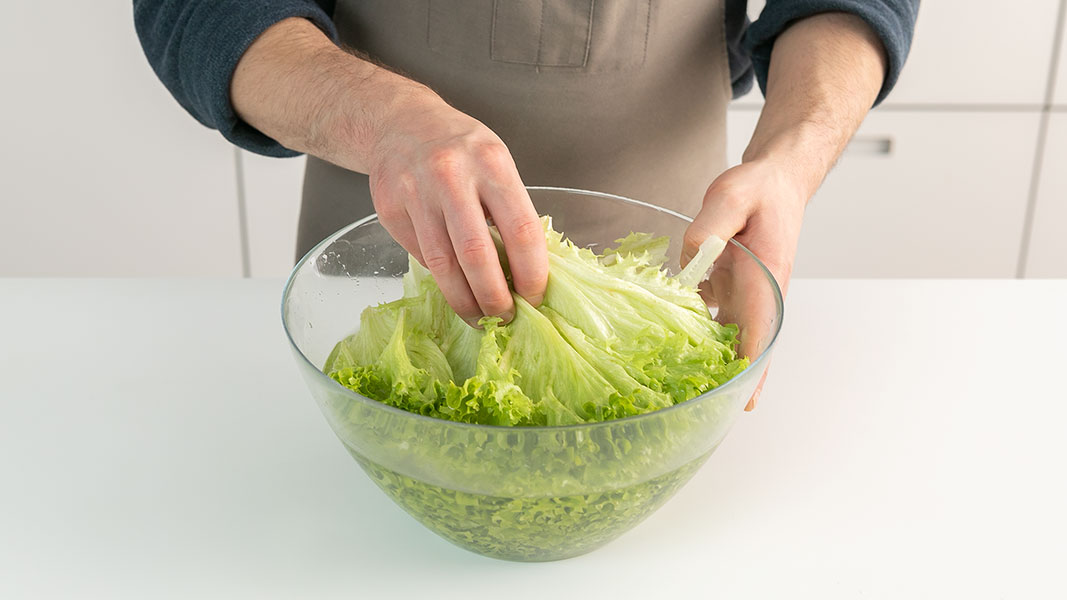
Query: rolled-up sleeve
x: 892, y: 20
x: 194, y: 46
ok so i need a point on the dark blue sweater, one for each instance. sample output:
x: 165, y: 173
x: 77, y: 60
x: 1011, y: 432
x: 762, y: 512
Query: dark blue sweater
x: 194, y: 46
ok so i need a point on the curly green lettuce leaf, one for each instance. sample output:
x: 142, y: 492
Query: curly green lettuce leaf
x: 490, y: 396
x: 632, y: 386
x: 615, y: 336
x: 376, y: 327
x: 549, y: 367
x: 651, y: 250
x: 604, y: 305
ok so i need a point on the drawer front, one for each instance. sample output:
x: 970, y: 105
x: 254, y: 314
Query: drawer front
x: 272, y: 198
x: 1047, y: 250
x: 919, y: 194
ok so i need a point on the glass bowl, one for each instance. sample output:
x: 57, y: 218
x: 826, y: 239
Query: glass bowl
x: 524, y: 493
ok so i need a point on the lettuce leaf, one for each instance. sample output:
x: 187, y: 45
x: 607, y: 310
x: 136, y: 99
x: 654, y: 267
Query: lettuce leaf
x: 654, y: 249
x: 615, y: 336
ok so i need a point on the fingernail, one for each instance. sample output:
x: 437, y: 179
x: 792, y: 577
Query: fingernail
x: 536, y: 300
x: 507, y: 316
x: 473, y: 322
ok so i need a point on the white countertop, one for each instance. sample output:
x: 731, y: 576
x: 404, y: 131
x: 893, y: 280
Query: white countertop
x: 157, y: 441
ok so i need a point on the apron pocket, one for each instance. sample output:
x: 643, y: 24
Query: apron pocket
x: 566, y: 35
x: 542, y: 32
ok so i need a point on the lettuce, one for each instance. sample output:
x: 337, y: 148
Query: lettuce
x: 615, y: 336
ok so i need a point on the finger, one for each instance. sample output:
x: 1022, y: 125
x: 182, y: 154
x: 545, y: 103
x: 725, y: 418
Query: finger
x: 744, y: 297
x: 723, y: 213
x: 396, y: 221
x: 524, y: 239
x: 759, y: 389
x: 478, y: 257
x: 771, y: 234
x: 440, y: 259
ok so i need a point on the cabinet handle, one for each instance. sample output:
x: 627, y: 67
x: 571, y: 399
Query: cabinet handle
x: 869, y: 146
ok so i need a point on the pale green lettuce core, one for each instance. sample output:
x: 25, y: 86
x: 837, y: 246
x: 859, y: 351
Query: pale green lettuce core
x: 615, y: 336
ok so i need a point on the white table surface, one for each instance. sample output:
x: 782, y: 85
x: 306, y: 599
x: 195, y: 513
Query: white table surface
x: 157, y: 441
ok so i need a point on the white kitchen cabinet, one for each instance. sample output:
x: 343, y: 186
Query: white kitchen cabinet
x: 919, y: 194
x: 104, y: 174
x: 754, y: 8
x: 1047, y: 252
x: 970, y: 53
x: 740, y: 123
x: 1060, y: 96
x: 272, y: 188
x: 754, y: 97
x: 964, y: 53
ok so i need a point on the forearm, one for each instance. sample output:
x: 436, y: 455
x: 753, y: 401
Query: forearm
x: 296, y: 86
x: 825, y: 74
x: 435, y: 173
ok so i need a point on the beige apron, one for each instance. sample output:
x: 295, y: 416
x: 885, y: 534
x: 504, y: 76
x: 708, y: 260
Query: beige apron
x: 621, y: 96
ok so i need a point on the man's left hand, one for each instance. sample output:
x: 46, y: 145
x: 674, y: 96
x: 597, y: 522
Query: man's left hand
x: 761, y: 206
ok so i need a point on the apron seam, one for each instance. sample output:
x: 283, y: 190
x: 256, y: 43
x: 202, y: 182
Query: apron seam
x: 540, y: 36
x: 492, y: 32
x: 648, y: 31
x: 724, y: 57
x: 589, y: 34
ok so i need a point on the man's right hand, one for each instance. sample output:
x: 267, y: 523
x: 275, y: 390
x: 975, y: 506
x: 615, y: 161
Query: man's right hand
x: 435, y: 173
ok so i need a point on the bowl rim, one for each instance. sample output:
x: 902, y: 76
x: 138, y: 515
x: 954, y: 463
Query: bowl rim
x: 376, y: 405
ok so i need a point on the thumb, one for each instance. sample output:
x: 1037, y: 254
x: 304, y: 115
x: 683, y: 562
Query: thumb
x: 722, y: 214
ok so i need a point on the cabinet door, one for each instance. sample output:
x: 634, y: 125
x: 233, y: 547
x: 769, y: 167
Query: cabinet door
x: 104, y: 174
x: 740, y: 123
x: 971, y: 53
x: 919, y: 194
x: 965, y: 53
x: 1047, y: 251
x: 272, y: 189
x: 1060, y: 96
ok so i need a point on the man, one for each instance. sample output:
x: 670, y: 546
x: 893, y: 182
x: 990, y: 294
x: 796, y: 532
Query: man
x: 449, y: 106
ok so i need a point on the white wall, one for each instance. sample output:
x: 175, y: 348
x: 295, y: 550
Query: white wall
x: 103, y: 173
x: 272, y: 192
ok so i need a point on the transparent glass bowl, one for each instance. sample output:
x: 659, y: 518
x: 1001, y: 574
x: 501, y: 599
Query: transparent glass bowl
x: 524, y: 493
